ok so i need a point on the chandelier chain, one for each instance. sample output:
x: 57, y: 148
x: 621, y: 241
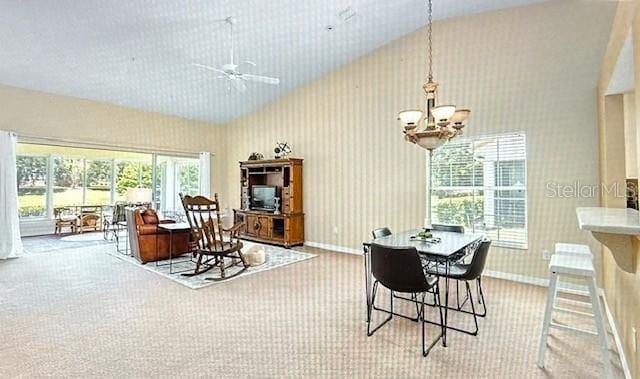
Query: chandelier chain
x: 430, y: 40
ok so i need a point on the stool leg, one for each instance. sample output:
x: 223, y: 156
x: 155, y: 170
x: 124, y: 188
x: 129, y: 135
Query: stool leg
x: 551, y: 298
x: 597, y: 312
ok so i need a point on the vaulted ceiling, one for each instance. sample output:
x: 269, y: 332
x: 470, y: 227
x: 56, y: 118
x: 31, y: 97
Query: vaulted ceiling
x: 137, y: 54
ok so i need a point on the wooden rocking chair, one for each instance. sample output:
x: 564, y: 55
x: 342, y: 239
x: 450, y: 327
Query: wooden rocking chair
x: 210, y: 242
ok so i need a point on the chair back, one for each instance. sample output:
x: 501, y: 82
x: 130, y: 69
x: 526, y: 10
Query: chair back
x: 60, y: 212
x: 119, y: 212
x: 381, y: 232
x: 448, y: 228
x: 478, y: 261
x: 204, y: 220
x: 130, y: 214
x: 398, y: 269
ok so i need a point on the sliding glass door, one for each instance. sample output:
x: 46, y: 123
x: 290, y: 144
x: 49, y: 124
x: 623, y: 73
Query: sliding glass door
x: 52, y: 176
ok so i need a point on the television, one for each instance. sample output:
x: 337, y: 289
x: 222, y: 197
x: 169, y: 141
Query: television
x: 263, y: 197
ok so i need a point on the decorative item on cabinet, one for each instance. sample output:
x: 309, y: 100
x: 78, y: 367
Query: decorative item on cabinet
x: 256, y: 156
x: 282, y: 150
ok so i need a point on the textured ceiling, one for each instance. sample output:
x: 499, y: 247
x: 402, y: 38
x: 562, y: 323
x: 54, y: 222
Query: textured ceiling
x: 137, y: 54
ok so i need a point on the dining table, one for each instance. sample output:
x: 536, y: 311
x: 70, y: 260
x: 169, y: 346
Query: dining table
x: 444, y: 248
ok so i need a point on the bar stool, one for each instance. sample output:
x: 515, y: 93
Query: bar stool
x: 573, y: 248
x: 577, y: 266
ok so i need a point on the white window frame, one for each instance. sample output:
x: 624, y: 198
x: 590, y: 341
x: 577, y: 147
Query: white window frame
x: 507, y: 244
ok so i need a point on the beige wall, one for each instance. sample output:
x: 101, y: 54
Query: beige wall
x: 530, y: 69
x: 45, y: 115
x: 622, y: 289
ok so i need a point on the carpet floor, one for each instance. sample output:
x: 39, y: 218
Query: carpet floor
x: 84, y: 313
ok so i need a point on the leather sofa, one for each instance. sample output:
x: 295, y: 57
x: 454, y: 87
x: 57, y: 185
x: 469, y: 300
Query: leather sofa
x: 153, y: 242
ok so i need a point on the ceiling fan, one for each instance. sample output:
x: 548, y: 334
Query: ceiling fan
x: 231, y: 71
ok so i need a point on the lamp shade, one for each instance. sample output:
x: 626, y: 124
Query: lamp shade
x: 443, y: 112
x: 460, y: 116
x: 138, y: 195
x: 410, y: 118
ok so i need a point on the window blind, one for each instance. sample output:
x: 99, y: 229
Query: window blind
x: 481, y: 183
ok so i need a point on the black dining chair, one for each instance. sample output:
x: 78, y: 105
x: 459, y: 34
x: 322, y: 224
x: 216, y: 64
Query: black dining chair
x: 400, y: 270
x: 454, y: 229
x: 463, y: 272
x: 381, y: 232
x: 448, y: 228
x: 444, y: 228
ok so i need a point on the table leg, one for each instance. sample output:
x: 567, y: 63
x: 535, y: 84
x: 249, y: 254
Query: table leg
x: 171, y: 251
x: 446, y: 304
x: 367, y: 282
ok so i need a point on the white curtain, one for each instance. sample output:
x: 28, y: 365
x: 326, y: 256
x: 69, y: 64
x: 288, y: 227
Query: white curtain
x: 10, y: 242
x: 205, y: 174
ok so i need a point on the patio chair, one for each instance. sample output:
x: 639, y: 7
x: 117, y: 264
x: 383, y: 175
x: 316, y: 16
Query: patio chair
x: 65, y: 217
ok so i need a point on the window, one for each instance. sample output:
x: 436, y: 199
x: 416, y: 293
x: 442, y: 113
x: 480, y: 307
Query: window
x: 32, y: 172
x: 68, y: 182
x: 57, y: 176
x: 132, y: 174
x: 481, y: 183
x: 98, y: 182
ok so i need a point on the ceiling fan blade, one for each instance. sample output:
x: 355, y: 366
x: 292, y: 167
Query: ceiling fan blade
x: 239, y: 85
x: 209, y: 68
x: 261, y: 79
x: 248, y: 63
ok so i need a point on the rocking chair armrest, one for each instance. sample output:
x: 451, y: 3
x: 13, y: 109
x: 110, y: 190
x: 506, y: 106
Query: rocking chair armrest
x: 234, y: 229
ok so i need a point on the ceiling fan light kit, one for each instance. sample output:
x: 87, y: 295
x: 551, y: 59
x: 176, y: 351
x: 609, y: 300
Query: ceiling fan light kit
x: 231, y: 71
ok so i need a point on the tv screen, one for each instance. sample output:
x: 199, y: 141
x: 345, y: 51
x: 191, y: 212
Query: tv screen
x: 263, y: 197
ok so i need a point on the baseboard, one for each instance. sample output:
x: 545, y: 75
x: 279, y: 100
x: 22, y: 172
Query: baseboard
x: 616, y: 338
x: 336, y: 248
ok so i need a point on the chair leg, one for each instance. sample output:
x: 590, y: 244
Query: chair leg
x: 551, y: 298
x: 423, y: 321
x: 597, y: 312
x: 414, y: 297
x: 373, y: 299
x: 421, y: 318
x: 438, y: 301
x: 473, y: 308
x: 198, y: 263
x: 244, y: 263
x: 481, y: 297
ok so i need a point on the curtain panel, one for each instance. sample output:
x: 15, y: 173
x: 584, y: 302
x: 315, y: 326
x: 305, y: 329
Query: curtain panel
x: 205, y: 174
x: 10, y: 242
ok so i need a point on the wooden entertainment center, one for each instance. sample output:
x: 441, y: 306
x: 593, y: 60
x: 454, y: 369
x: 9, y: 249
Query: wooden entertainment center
x: 285, y: 225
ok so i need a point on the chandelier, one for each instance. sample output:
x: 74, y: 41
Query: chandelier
x: 443, y: 122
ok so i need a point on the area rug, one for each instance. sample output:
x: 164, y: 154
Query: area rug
x: 84, y: 237
x: 275, y: 257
